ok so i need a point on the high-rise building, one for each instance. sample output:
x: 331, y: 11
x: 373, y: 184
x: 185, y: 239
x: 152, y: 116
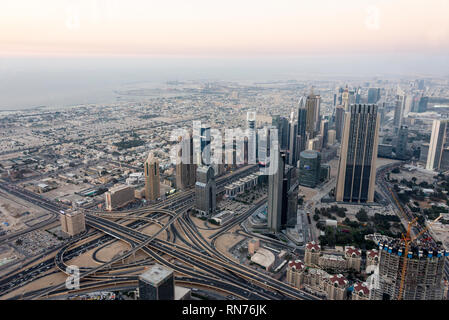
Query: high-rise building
x: 281, y: 123
x: 252, y: 139
x: 345, y: 98
x: 302, y: 125
x: 373, y: 95
x: 157, y: 283
x: 313, y: 114
x: 438, y: 142
x: 275, y: 186
x: 309, y: 168
x: 204, y: 157
x: 205, y: 191
x: 264, y: 141
x: 357, y: 166
x: 289, y: 198
x: 422, y: 106
x: 399, y: 108
x: 185, y: 166
x: 324, y: 131
x: 152, y: 182
x: 331, y: 137
x: 73, y: 222
x: 423, y: 274
x: 292, y: 148
x: 119, y: 196
x: 339, y: 121
x: 401, y: 145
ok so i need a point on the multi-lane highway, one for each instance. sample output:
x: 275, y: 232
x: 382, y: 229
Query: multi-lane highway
x: 177, y: 244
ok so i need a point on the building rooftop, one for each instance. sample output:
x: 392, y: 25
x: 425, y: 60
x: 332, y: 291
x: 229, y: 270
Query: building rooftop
x: 296, y: 264
x: 156, y: 274
x: 361, y: 287
x: 313, y: 245
x: 351, y: 251
x: 339, y: 279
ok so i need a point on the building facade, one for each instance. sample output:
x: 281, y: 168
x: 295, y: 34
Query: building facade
x: 357, y: 166
x: 205, y: 191
x: 152, y: 180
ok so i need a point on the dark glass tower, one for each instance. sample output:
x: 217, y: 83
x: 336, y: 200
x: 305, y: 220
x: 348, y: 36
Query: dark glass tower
x: 357, y: 167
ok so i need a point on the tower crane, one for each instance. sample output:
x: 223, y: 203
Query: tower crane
x: 407, y: 240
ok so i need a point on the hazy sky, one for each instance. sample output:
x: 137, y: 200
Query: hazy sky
x: 225, y: 27
x: 62, y: 52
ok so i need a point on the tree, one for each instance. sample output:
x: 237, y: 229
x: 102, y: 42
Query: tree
x: 362, y: 215
x: 396, y: 170
x: 316, y: 217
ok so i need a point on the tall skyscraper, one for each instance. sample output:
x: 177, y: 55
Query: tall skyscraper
x: 313, y: 114
x: 302, y: 125
x: 281, y: 123
x: 205, y: 191
x: 292, y: 147
x: 399, y: 108
x: 339, y: 121
x: 323, y: 131
x: 373, y: 95
x: 263, y: 149
x: 422, y: 106
x: 401, y: 145
x: 157, y: 283
x: 289, y: 198
x: 152, y: 182
x: 252, y: 139
x: 205, y: 146
x: 438, y: 142
x: 185, y: 166
x: 309, y: 168
x: 275, y: 186
x: 345, y: 98
x: 357, y: 166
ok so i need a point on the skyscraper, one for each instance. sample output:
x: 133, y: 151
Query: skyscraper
x: 289, y: 198
x: 292, y: 147
x: 152, y: 182
x: 185, y: 167
x: 313, y: 114
x: 345, y: 98
x: 422, y: 106
x: 399, y: 108
x: 275, y: 186
x: 205, y: 145
x: 323, y: 131
x: 157, y: 283
x: 252, y: 139
x: 309, y: 168
x: 281, y: 123
x: 302, y: 125
x: 339, y: 121
x: 357, y: 166
x: 401, y: 145
x: 205, y: 191
x: 373, y: 95
x: 438, y: 142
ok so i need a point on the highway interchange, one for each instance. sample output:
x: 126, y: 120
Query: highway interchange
x: 196, y: 262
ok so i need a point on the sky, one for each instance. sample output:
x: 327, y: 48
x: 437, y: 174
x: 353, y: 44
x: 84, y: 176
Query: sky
x: 222, y: 28
x: 64, y: 52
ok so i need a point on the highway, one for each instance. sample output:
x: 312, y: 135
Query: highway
x: 197, y: 258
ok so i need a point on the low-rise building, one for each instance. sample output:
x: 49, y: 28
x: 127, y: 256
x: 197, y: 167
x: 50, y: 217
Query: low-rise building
x: 312, y: 254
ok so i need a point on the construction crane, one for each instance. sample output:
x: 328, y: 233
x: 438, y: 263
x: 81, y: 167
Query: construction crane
x: 407, y: 239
